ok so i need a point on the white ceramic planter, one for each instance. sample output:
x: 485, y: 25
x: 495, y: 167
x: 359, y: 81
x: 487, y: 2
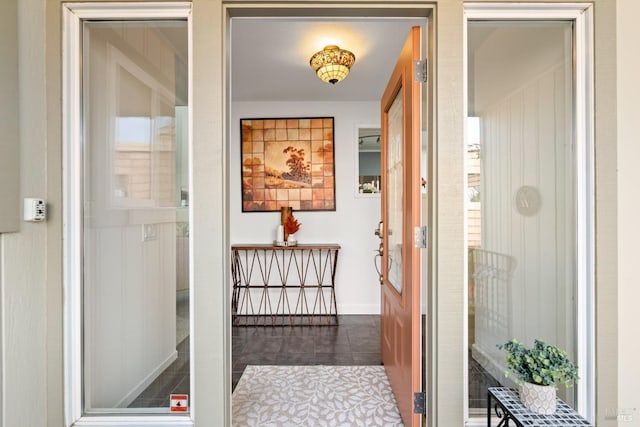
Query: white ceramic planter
x: 540, y: 399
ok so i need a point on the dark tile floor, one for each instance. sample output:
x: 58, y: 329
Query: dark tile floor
x: 175, y: 379
x: 479, y: 381
x: 356, y: 341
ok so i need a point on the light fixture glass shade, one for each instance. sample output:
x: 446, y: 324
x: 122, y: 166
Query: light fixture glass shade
x: 332, y: 64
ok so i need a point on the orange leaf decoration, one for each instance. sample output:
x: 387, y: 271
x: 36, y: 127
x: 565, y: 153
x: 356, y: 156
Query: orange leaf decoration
x: 291, y: 225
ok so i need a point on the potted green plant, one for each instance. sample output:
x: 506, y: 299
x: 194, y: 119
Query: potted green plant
x: 538, y: 370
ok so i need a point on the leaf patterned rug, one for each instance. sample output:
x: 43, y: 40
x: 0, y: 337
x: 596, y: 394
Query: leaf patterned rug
x: 284, y: 396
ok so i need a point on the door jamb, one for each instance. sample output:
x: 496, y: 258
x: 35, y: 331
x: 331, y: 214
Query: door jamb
x: 318, y: 11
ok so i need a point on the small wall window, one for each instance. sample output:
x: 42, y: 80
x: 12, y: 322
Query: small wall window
x: 369, y: 160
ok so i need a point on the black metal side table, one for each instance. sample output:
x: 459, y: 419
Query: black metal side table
x: 510, y: 410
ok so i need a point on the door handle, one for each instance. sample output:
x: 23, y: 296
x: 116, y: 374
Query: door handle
x: 377, y: 256
x: 379, y: 252
x: 378, y: 231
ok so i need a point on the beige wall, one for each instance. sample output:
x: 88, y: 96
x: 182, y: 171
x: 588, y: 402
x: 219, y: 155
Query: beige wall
x: 9, y: 144
x: 449, y: 298
x: 628, y: 204
x: 24, y: 254
x: 30, y: 263
x: 607, y: 231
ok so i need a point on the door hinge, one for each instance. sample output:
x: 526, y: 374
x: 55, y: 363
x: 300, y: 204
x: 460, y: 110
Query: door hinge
x: 420, y: 69
x: 420, y: 237
x: 420, y: 403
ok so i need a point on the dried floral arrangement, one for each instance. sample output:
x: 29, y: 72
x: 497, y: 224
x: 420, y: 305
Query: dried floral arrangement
x: 291, y: 225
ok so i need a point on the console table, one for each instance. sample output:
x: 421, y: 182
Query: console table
x: 278, y: 285
x: 508, y: 407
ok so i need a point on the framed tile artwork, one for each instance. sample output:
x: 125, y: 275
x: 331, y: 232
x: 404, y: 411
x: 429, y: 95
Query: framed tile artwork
x: 288, y: 162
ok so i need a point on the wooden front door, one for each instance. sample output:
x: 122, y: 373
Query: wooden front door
x: 400, y: 317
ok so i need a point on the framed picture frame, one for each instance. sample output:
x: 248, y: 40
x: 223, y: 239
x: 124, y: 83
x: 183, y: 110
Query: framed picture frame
x: 288, y: 162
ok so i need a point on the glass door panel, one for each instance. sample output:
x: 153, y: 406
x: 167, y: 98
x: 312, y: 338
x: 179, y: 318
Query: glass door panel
x: 521, y: 194
x: 395, y: 171
x: 136, y: 210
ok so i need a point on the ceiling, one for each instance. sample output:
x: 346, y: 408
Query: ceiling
x: 270, y: 57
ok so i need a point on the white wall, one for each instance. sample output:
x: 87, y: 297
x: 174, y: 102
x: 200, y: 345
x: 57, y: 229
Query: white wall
x: 130, y: 310
x: 355, y: 218
x: 526, y: 142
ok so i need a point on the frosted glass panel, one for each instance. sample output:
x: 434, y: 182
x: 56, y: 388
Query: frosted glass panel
x: 395, y: 170
x: 521, y: 193
x: 136, y: 210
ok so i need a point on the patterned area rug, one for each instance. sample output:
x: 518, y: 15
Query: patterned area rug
x: 283, y: 396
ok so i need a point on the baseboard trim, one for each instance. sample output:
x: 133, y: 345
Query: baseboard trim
x: 358, y: 308
x: 146, y: 382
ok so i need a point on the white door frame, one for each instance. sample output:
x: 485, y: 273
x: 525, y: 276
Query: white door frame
x: 332, y: 10
x: 582, y: 16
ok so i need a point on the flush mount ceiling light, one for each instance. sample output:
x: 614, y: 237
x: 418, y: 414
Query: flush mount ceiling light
x: 332, y: 64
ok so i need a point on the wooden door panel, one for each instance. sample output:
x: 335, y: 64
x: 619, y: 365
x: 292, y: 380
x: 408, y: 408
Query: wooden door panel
x: 400, y: 306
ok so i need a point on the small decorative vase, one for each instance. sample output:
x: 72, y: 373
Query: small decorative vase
x: 291, y: 240
x: 540, y: 399
x: 285, y: 213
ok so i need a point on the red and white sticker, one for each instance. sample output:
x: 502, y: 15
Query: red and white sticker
x: 179, y: 402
